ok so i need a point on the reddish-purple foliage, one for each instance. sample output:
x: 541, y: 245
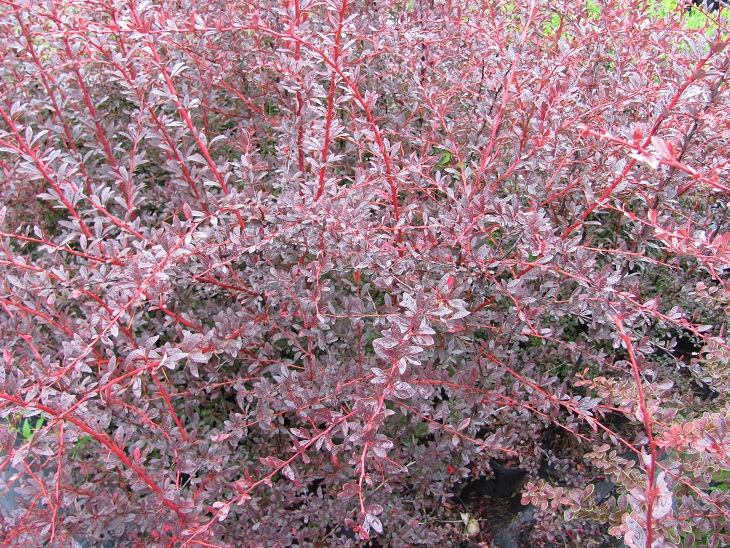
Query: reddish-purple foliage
x: 276, y: 273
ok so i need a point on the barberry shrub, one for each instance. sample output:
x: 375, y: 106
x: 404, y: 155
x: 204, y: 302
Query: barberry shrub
x: 292, y: 272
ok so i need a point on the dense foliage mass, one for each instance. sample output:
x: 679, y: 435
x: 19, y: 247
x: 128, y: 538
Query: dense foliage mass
x: 298, y: 273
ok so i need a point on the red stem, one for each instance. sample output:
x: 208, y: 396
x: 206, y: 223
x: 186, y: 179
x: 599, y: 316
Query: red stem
x: 330, y: 102
x: 647, y: 420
